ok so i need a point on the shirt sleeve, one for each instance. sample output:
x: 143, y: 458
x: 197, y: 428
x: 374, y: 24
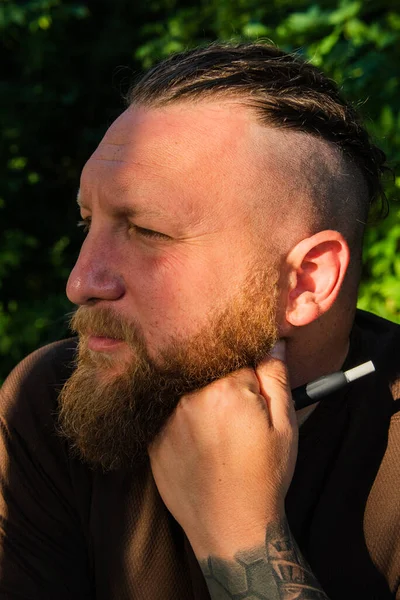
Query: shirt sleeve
x: 382, y: 514
x: 43, y: 551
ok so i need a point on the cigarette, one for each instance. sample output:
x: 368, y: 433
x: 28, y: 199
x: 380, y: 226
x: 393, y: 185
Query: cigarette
x: 323, y: 386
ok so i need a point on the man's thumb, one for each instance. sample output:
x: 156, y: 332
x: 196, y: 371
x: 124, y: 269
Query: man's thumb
x: 273, y: 376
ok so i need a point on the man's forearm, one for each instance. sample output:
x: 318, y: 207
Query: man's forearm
x: 276, y: 570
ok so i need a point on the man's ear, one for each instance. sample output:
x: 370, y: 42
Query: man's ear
x: 317, y: 266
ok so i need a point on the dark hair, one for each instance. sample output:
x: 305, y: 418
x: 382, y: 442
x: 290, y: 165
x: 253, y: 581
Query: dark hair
x: 286, y: 91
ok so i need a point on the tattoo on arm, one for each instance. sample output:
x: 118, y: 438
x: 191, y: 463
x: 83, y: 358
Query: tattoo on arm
x: 276, y: 571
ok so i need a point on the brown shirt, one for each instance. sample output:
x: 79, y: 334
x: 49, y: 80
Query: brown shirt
x: 67, y: 532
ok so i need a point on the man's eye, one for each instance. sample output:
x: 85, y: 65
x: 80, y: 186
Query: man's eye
x: 85, y: 224
x: 149, y: 233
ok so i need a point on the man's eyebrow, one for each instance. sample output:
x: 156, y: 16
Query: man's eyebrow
x: 127, y: 211
x: 79, y: 200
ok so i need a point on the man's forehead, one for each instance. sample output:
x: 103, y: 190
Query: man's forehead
x: 204, y: 155
x: 220, y: 136
x: 179, y: 137
x: 171, y: 149
x: 178, y: 119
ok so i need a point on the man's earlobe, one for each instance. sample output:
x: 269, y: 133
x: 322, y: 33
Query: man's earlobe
x: 317, y: 267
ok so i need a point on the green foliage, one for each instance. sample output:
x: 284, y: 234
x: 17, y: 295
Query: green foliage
x: 61, y: 88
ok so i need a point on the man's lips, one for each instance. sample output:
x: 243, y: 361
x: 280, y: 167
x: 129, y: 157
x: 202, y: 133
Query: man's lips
x: 103, y: 343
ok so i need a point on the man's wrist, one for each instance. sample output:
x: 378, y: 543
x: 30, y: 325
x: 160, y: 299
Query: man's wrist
x: 227, y: 540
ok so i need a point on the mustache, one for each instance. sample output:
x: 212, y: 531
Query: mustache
x: 104, y: 322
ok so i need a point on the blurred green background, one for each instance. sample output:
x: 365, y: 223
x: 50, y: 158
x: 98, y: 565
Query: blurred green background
x: 64, y: 68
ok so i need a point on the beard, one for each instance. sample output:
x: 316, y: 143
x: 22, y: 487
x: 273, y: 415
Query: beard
x: 110, y: 411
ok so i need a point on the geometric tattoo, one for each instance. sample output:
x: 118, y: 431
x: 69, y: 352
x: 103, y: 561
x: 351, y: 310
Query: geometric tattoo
x: 276, y: 571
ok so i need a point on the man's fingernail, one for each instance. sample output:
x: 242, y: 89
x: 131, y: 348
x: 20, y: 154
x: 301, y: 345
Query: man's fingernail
x: 279, y: 350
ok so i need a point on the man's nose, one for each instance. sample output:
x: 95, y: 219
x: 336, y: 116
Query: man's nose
x: 93, y: 278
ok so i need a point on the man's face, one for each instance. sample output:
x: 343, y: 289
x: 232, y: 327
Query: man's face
x: 174, y: 280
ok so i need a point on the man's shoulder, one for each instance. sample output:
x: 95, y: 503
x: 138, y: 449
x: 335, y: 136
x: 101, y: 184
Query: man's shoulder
x: 377, y: 339
x: 376, y: 325
x: 381, y: 517
x: 39, y: 377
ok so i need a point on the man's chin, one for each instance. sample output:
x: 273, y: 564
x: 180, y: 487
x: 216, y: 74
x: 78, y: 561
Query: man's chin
x: 109, y: 411
x: 109, y: 373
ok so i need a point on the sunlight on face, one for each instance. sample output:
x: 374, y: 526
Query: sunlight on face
x: 111, y: 418
x: 169, y: 201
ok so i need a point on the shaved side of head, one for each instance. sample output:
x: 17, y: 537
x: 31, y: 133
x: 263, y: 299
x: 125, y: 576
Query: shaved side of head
x: 305, y: 185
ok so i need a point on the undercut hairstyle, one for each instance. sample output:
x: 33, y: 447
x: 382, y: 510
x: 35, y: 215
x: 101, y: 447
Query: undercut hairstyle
x: 285, y: 92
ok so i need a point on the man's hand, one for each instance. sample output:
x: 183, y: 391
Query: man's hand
x: 225, y: 459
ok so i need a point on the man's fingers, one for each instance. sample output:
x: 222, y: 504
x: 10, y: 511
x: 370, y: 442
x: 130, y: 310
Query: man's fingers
x: 274, y: 385
x: 247, y: 378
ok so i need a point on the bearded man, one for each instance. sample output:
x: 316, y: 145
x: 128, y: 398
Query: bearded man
x: 155, y: 456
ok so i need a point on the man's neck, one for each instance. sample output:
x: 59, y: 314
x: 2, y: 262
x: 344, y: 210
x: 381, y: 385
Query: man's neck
x: 307, y: 362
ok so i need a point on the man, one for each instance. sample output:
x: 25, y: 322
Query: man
x: 224, y: 212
